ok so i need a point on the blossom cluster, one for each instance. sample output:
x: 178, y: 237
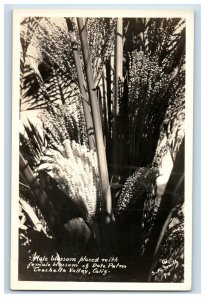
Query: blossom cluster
x: 136, y: 185
x: 156, y: 100
x: 76, y: 172
x: 65, y: 122
x: 169, y: 264
x: 101, y: 36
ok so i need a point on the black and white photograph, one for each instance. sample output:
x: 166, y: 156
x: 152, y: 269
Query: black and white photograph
x: 102, y: 150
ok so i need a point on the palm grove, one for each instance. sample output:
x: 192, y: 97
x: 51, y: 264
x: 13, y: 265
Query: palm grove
x: 108, y: 96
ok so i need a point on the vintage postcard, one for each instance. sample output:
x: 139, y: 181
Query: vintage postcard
x: 102, y: 149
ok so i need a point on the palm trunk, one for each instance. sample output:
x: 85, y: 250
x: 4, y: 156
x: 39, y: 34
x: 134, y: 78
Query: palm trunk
x: 102, y: 161
x: 117, y: 81
x: 85, y: 99
x: 109, y: 101
x: 104, y: 105
x: 118, y: 65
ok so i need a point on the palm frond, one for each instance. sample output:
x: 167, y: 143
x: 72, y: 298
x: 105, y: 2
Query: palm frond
x: 32, y: 145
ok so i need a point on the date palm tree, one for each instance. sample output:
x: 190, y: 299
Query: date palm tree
x: 111, y: 89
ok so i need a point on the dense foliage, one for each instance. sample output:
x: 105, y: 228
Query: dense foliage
x: 148, y: 126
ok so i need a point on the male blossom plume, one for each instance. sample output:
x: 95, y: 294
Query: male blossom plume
x: 76, y: 172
